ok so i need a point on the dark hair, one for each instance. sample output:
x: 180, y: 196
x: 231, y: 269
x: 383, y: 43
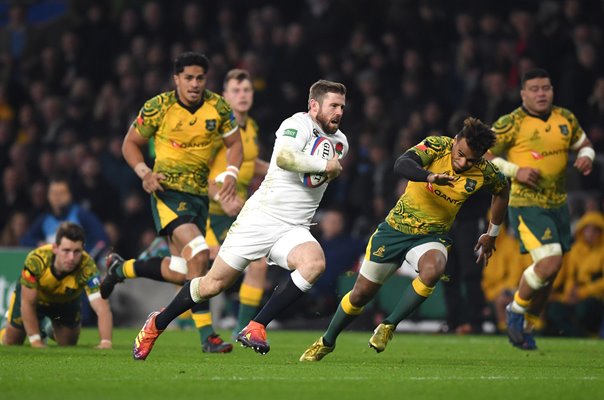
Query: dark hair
x: 71, y: 231
x: 532, y: 74
x: 60, y: 178
x: 320, y: 88
x: 478, y: 135
x: 190, y: 58
x: 237, y: 74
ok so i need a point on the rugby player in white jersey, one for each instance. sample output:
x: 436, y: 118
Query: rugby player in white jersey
x: 274, y: 222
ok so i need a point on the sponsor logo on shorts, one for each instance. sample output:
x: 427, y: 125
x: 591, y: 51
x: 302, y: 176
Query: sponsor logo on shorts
x: 182, y: 206
x: 380, y: 251
x: 547, y: 235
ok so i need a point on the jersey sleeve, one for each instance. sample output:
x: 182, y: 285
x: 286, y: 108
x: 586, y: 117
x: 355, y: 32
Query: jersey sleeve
x: 341, y: 147
x: 292, y: 134
x: 149, y: 117
x: 32, y: 270
x: 505, y: 131
x: 575, y: 129
x: 430, y: 148
x: 89, y: 276
x: 228, y: 122
x: 494, y: 180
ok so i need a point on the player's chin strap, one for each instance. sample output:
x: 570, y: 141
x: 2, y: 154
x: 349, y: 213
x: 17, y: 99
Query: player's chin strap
x: 194, y: 247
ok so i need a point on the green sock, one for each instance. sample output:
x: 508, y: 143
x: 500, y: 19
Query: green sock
x: 339, y: 321
x: 205, y: 332
x: 203, y: 320
x: 245, y: 315
x: 407, y: 304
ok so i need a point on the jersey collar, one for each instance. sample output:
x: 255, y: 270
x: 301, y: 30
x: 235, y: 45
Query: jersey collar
x: 544, y: 118
x: 192, y: 109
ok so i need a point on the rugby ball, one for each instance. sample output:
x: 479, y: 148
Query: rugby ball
x: 319, y: 147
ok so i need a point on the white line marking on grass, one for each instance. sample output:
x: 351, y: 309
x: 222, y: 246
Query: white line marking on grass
x: 403, y: 378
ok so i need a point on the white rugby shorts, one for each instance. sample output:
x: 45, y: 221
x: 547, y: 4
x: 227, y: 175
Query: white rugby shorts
x: 255, y: 235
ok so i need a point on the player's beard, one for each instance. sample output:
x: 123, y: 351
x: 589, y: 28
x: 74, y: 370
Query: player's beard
x: 326, y: 125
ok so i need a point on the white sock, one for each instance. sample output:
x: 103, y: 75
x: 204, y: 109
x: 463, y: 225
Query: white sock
x: 300, y: 282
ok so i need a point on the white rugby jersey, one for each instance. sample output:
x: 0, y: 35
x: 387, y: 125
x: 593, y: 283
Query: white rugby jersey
x: 282, y: 193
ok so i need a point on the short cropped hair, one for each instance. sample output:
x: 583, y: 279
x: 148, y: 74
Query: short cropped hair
x: 190, y: 58
x: 320, y: 88
x: 479, y: 136
x: 532, y: 74
x: 237, y: 74
x: 60, y: 178
x: 71, y: 231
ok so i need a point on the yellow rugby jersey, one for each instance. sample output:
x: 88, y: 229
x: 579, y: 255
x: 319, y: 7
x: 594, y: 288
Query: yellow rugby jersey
x: 249, y: 138
x: 37, y: 274
x: 184, y: 137
x: 426, y: 208
x: 530, y: 141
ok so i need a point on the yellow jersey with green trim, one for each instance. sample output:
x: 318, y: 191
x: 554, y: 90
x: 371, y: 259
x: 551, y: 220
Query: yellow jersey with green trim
x: 425, y: 208
x: 249, y: 138
x: 542, y: 143
x: 184, y: 137
x: 38, y: 273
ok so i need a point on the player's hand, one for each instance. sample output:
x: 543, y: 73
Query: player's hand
x: 333, y: 168
x: 104, y: 344
x: 228, y: 191
x: 441, y: 179
x: 152, y: 182
x: 528, y: 176
x: 231, y: 207
x: 584, y: 165
x: 38, y: 344
x: 485, y: 246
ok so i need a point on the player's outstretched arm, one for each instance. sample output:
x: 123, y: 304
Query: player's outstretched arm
x: 105, y: 321
x: 234, y: 159
x: 486, y: 242
x: 29, y: 298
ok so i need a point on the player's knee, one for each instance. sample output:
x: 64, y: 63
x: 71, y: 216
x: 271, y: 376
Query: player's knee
x: 196, y: 249
x: 430, y: 271
x: 13, y: 336
x: 547, y: 261
x: 312, y: 269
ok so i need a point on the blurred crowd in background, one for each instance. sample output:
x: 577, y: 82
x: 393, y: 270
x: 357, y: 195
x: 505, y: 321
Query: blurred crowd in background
x: 74, y: 74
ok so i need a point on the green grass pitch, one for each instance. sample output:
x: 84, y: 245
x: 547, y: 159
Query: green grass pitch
x: 412, y: 367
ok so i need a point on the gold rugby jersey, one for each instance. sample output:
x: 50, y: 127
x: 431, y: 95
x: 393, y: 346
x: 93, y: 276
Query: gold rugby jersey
x: 249, y: 138
x: 184, y: 137
x: 426, y: 208
x: 543, y: 143
x: 38, y: 274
